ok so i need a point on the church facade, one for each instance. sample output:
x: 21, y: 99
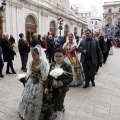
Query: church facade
x: 40, y: 16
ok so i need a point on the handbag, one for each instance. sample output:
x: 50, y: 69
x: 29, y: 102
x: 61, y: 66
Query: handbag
x: 13, y: 52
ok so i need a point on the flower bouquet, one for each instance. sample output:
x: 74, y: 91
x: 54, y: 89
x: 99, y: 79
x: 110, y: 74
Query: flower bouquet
x: 56, y: 73
x: 38, y: 77
x: 22, y: 78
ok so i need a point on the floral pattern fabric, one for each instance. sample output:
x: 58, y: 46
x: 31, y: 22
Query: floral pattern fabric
x: 31, y: 101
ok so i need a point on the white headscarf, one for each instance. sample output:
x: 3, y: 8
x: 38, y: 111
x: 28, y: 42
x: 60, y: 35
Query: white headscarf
x: 67, y: 40
x: 44, y: 65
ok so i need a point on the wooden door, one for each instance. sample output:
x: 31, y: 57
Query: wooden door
x: 66, y: 32
x: 30, y: 30
x: 53, y: 32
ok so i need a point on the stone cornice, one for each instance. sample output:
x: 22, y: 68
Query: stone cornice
x: 46, y: 5
x: 109, y: 5
x: 55, y: 8
x: 44, y: 14
x: 15, y: 4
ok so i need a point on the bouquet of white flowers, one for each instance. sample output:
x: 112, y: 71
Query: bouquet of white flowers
x: 22, y: 78
x: 56, y: 73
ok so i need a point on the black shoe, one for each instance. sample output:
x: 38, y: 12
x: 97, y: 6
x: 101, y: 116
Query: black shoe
x: 86, y: 85
x: 93, y: 83
x: 8, y: 73
x: 2, y: 76
x: 13, y: 72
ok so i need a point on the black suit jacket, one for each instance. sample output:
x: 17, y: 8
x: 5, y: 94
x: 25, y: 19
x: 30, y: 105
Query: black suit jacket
x: 95, y: 50
x: 109, y: 44
x: 51, y: 46
x: 7, y: 50
x: 23, y: 46
x: 34, y: 42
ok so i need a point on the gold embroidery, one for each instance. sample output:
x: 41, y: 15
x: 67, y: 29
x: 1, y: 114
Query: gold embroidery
x: 76, y: 65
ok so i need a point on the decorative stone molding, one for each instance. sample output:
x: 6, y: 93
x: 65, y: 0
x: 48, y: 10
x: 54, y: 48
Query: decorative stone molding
x: 71, y: 22
x: 44, y: 14
x: 15, y: 5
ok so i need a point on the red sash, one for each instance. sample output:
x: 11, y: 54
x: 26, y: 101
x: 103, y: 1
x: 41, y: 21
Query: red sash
x: 75, y: 64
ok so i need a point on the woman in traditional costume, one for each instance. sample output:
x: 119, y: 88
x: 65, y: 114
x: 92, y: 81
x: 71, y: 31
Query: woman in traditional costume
x: 72, y: 57
x: 32, y: 101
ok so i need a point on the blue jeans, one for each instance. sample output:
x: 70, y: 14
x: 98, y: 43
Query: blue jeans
x: 1, y: 64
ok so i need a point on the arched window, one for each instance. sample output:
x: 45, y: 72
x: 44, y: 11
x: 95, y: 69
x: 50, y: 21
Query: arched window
x: 30, y: 20
x: 30, y: 26
x: 66, y: 30
x: 75, y: 31
x: 52, y: 28
x: 95, y: 22
x: 52, y: 24
x: 109, y: 10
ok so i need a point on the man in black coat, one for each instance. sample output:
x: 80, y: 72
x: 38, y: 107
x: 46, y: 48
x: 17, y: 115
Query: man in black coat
x: 90, y: 50
x: 108, y: 44
x: 8, y: 55
x: 24, y: 49
x: 51, y: 48
x: 11, y: 40
x: 103, y: 49
x: 34, y: 40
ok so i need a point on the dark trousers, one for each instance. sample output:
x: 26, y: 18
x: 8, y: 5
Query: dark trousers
x: 105, y: 55
x: 10, y: 65
x: 99, y: 64
x: 97, y: 67
x: 89, y: 70
x: 1, y: 64
x: 58, y: 99
x: 51, y: 55
x: 24, y: 59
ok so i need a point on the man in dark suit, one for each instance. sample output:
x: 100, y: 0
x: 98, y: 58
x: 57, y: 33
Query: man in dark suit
x: 51, y: 48
x: 108, y: 44
x: 34, y: 40
x: 90, y: 50
x: 24, y: 49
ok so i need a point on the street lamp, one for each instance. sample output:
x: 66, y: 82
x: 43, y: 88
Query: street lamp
x: 3, y: 7
x: 92, y: 32
x: 82, y: 30
x: 60, y: 22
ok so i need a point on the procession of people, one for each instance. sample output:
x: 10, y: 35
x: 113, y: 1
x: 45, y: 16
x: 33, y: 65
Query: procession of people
x: 43, y: 95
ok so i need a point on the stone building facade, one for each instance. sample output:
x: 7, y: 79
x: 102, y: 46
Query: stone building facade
x: 96, y: 24
x: 30, y: 16
x: 111, y: 16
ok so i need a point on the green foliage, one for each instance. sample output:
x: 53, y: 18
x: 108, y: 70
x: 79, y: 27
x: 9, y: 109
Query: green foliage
x: 1, y: 16
x: 60, y: 27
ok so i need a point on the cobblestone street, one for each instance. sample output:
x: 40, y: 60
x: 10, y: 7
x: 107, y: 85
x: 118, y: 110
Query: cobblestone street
x: 94, y: 103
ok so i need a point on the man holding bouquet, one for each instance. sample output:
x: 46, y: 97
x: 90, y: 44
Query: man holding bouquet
x: 59, y: 84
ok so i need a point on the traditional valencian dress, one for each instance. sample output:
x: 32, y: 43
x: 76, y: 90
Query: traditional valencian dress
x: 32, y: 96
x: 77, y: 70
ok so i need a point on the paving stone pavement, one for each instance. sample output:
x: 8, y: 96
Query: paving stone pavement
x: 94, y: 103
